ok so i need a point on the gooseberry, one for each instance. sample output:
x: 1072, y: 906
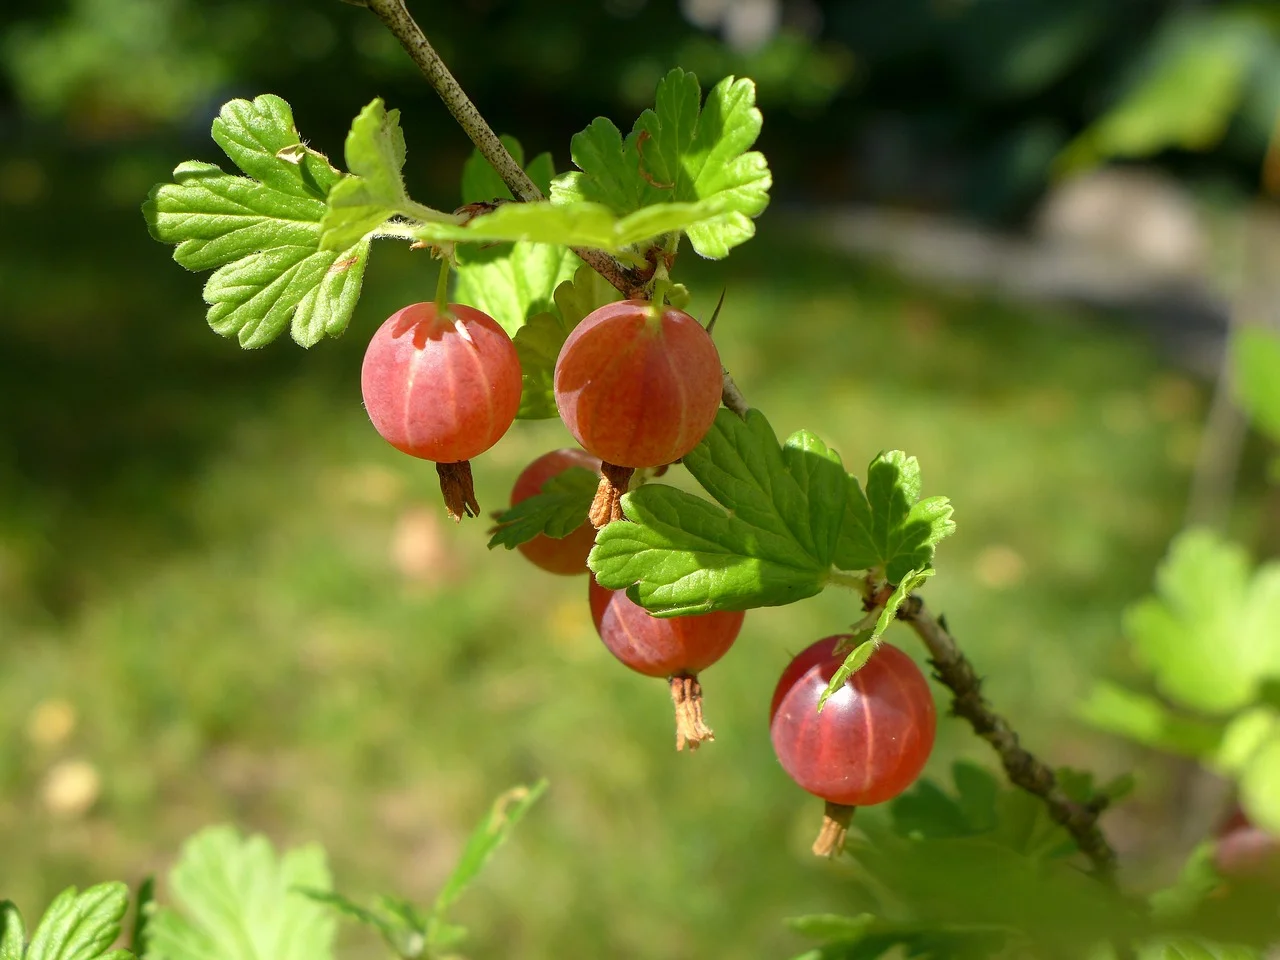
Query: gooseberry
x: 678, y: 648
x: 638, y: 386
x: 565, y: 555
x: 443, y: 386
x: 869, y: 742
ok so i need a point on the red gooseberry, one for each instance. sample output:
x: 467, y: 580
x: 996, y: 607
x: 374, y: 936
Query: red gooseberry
x: 678, y: 648
x: 869, y: 742
x: 566, y: 555
x: 444, y: 387
x: 638, y: 386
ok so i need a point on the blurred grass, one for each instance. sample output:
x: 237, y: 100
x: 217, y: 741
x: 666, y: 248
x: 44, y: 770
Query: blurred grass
x: 254, y: 610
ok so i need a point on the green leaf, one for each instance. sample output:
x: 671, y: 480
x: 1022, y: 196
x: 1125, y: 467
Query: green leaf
x: 239, y: 901
x: 1260, y: 786
x: 507, y: 811
x: 1192, y: 83
x: 13, y: 935
x: 1208, y: 633
x: 1197, y: 880
x: 860, y: 654
x: 81, y: 926
x: 145, y: 907
x: 769, y: 545
x: 889, y: 527
x: 559, y: 509
x: 1146, y: 720
x: 373, y: 191
x: 581, y: 224
x: 1256, y: 358
x: 679, y: 152
x: 928, y: 811
x: 771, y: 541
x: 516, y: 285
x: 262, y: 231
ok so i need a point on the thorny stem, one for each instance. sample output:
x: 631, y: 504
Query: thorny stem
x: 400, y: 22
x: 953, y: 668
x: 396, y: 17
x: 1023, y: 768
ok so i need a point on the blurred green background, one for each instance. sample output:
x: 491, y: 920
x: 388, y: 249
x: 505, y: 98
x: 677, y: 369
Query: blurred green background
x: 222, y: 597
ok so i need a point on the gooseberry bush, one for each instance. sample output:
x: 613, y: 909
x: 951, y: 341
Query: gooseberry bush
x: 558, y: 296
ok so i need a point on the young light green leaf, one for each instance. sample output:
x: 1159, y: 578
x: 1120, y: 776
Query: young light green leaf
x: 239, y: 901
x: 685, y: 555
x: 558, y: 510
x: 832, y: 926
x: 507, y: 811
x: 538, y: 342
x: 889, y: 527
x: 262, y: 231
x: 81, y: 926
x: 1208, y: 633
x: 580, y: 224
x: 13, y: 935
x: 679, y: 152
x: 1146, y: 720
x: 1256, y: 357
x: 516, y: 284
x: 860, y: 654
x: 374, y: 190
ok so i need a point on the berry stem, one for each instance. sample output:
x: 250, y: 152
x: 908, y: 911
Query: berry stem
x: 458, y: 490
x: 442, y: 289
x: 835, y: 826
x: 686, y: 696
x: 607, y: 505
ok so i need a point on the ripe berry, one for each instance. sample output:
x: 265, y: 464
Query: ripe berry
x: 567, y: 555
x: 443, y: 387
x: 678, y: 648
x: 870, y: 741
x: 637, y: 386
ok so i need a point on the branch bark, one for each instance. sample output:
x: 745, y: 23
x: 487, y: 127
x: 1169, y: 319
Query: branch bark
x: 1023, y: 768
x: 396, y: 17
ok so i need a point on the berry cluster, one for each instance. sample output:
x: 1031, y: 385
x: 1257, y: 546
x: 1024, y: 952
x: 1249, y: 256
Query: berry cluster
x: 638, y: 387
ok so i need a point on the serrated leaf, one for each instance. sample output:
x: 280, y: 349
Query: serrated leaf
x: 679, y: 152
x: 81, y: 926
x: 1146, y: 720
x: 888, y: 526
x: 1256, y: 359
x: 236, y: 900
x: 860, y: 654
x: 13, y: 935
x: 373, y: 191
x: 262, y: 231
x: 557, y: 511
x: 771, y: 540
x: 686, y: 555
x: 926, y: 810
x: 1208, y: 633
x: 507, y: 811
